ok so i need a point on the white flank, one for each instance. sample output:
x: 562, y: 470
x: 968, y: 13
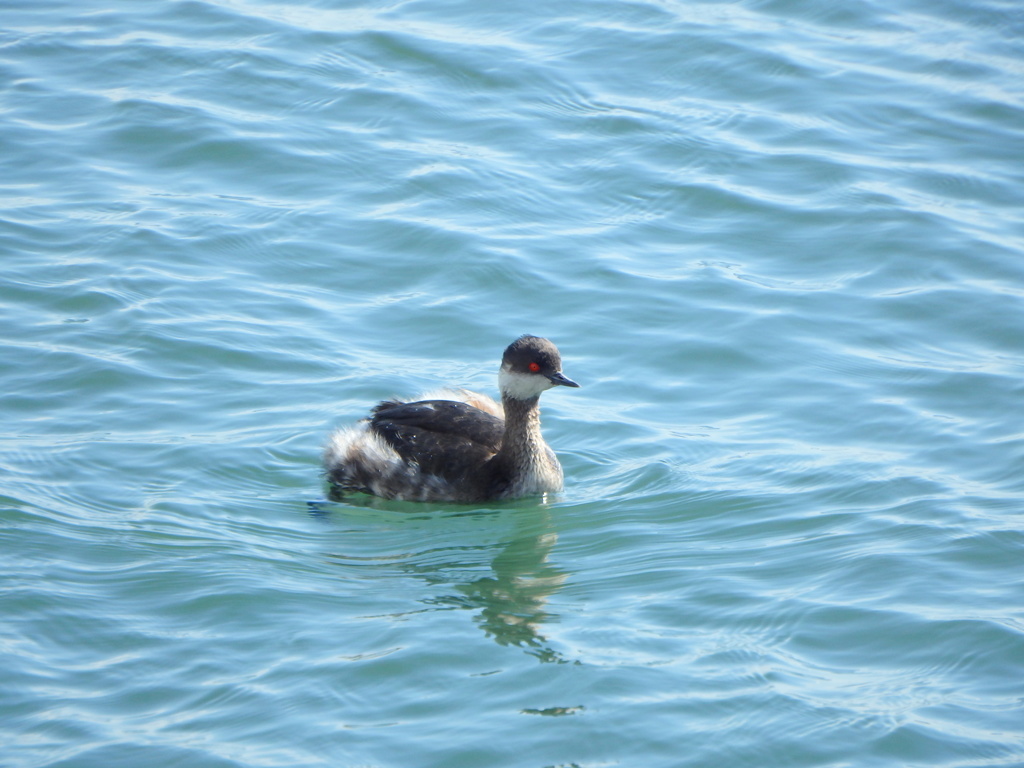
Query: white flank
x: 360, y: 444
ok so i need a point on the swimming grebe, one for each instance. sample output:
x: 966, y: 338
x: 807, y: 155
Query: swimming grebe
x: 464, y: 448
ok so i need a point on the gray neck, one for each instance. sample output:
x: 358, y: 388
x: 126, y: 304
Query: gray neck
x: 523, y: 443
x: 525, y: 461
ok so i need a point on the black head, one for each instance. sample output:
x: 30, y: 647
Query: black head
x: 535, y: 358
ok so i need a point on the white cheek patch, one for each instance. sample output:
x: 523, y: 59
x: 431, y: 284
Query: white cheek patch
x: 522, y: 386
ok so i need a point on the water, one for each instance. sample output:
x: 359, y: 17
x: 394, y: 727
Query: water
x: 779, y: 245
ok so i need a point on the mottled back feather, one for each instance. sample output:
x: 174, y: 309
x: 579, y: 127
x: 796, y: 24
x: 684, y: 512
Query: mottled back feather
x: 446, y: 438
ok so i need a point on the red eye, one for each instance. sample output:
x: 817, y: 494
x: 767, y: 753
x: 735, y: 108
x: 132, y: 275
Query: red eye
x: 534, y: 367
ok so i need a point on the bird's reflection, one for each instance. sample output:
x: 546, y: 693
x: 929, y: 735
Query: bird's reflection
x: 512, y: 600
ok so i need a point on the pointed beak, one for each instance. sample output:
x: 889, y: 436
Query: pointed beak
x: 560, y: 378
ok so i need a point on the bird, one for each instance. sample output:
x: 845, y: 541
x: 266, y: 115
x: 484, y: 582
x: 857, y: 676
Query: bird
x: 457, y: 446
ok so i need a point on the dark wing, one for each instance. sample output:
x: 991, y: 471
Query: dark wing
x: 445, y: 437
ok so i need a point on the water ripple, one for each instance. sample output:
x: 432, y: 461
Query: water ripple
x: 778, y: 245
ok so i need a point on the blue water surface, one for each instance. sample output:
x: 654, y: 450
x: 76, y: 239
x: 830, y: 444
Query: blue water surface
x: 781, y: 246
